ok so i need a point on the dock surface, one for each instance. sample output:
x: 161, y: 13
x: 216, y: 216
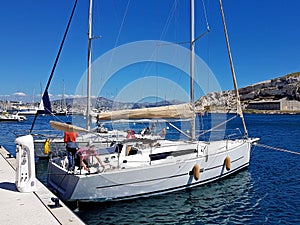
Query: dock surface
x: 28, y: 208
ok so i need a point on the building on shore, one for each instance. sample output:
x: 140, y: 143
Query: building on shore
x: 281, y: 105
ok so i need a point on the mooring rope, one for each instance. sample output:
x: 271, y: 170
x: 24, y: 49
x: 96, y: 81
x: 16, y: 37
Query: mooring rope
x: 277, y: 149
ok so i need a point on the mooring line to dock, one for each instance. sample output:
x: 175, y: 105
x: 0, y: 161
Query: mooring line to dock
x: 277, y: 149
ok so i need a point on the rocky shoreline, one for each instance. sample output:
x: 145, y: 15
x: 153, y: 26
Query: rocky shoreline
x: 246, y: 111
x: 285, y: 88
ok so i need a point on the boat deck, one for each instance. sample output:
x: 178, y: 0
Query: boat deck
x: 28, y: 208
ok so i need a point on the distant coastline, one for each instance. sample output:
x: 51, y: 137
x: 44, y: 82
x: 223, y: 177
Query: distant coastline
x: 272, y: 112
x: 247, y: 111
x: 276, y: 96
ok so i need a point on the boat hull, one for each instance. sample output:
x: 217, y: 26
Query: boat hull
x: 159, y: 178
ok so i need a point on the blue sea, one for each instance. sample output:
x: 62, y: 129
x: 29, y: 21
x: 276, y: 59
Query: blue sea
x: 268, y: 192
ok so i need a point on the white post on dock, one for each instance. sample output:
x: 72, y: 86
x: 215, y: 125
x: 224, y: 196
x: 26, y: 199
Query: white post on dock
x: 25, y: 170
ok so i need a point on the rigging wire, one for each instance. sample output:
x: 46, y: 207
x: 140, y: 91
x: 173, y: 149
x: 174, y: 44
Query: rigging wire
x: 205, y: 15
x: 55, y: 63
x: 239, y: 106
x: 217, y: 126
x: 182, y: 132
x: 122, y: 23
x: 168, y: 21
x: 118, y: 36
x: 208, y: 49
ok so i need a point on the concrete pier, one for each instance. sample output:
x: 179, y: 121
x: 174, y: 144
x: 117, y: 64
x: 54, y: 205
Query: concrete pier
x: 28, y: 208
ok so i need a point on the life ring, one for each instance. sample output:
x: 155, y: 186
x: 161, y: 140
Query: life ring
x: 47, y: 147
x: 227, y: 163
x: 196, y: 171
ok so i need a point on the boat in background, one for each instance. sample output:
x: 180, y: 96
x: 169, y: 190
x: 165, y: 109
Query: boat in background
x: 8, y: 117
x: 137, y: 167
x: 30, y: 110
x: 62, y: 110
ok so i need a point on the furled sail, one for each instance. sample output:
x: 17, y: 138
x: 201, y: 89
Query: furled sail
x: 66, y: 127
x: 181, y: 111
x: 45, y: 104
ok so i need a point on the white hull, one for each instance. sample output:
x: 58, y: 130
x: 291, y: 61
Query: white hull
x: 11, y: 117
x: 140, y: 179
x: 27, y: 113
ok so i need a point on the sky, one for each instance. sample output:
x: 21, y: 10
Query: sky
x: 264, y: 38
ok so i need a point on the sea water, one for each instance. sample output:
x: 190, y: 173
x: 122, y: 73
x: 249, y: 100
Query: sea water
x: 268, y: 192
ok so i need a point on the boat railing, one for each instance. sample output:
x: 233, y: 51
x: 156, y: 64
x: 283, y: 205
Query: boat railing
x: 41, y: 134
x: 220, y: 134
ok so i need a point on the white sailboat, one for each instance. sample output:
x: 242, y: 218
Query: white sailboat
x: 49, y: 144
x: 24, y: 110
x: 8, y: 117
x: 138, y: 167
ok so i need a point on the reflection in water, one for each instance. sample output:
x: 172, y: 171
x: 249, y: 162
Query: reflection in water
x: 219, y: 202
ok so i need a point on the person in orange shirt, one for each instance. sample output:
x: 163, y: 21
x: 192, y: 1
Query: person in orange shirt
x: 71, y: 146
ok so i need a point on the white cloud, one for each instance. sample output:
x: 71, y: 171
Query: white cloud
x: 76, y: 96
x: 22, y: 94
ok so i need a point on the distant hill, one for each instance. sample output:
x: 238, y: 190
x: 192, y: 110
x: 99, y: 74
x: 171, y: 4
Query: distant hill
x: 287, y: 87
x: 79, y: 104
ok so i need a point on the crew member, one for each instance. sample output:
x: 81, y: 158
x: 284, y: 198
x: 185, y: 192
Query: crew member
x: 83, y: 154
x: 145, y: 131
x: 71, y: 146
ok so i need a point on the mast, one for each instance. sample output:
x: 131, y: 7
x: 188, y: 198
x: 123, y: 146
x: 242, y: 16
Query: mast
x: 239, y: 106
x: 192, y: 65
x: 89, y: 67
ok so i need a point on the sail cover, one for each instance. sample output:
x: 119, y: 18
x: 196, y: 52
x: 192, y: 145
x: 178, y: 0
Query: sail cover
x: 181, y: 111
x: 66, y: 127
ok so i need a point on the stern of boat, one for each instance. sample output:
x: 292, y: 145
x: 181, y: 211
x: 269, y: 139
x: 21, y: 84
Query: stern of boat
x: 60, y: 180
